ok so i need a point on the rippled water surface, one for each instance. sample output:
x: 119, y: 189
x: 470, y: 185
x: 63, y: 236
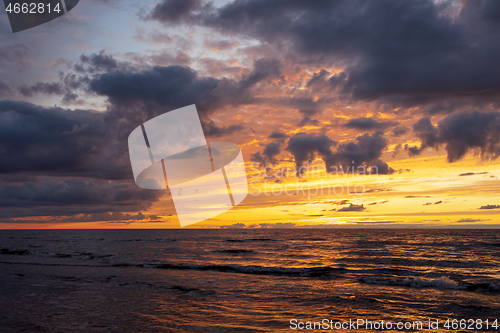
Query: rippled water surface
x: 242, y: 280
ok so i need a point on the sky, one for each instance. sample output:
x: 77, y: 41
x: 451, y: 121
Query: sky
x: 349, y: 114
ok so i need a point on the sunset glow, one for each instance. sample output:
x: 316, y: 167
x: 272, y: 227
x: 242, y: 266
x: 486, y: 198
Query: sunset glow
x: 287, y: 99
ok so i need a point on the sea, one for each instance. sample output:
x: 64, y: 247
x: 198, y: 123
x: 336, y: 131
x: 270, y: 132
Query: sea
x: 249, y: 280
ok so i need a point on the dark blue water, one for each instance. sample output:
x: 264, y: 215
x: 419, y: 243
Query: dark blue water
x: 242, y: 280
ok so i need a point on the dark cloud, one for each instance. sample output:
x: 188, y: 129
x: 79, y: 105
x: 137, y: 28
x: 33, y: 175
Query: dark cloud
x: 279, y: 225
x: 324, y: 80
x: 54, y: 141
x: 472, y: 173
x: 61, y: 162
x: 381, y: 168
x: 42, y: 88
x: 268, y: 156
x: 352, y: 208
x: 271, y: 151
x: 96, y: 62
x: 318, y: 78
x: 367, y: 123
x: 145, y: 93
x: 430, y: 203
x: 406, y: 51
x: 233, y: 226
x: 308, y: 121
x: 212, y: 130
x: 159, y: 88
x: 35, y: 138
x: 111, y: 217
x: 137, y: 95
x: 471, y: 220
x: 169, y: 87
x: 68, y: 196
x: 414, y: 150
x: 309, y: 112
x: 426, y: 132
x: 278, y: 135
x: 258, y: 158
x: 304, y: 147
x: 66, y: 87
x: 490, y: 207
x: 367, y: 149
x: 72, y: 81
x: 172, y: 11
x: 459, y: 133
x: 397, y: 149
x: 464, y: 131
x: 400, y: 130
x: 264, y: 69
x: 362, y: 123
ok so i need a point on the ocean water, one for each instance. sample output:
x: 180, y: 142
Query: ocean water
x: 244, y: 280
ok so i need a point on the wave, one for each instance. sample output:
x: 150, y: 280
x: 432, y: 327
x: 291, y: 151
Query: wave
x: 14, y: 251
x: 74, y: 255
x: 493, y: 287
x: 321, y: 271
x: 443, y: 282
x: 160, y: 240
x: 74, y: 239
x: 250, y: 240
x: 236, y: 251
